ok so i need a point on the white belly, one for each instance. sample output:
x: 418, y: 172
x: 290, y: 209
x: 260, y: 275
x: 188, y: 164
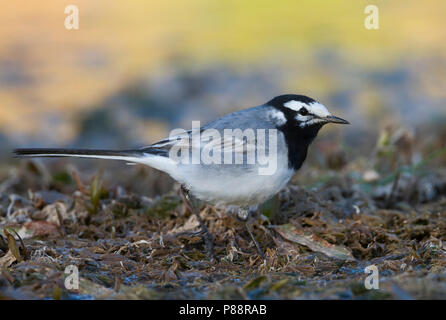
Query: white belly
x: 241, y: 186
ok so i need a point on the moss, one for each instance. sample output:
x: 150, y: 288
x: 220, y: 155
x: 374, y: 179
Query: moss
x: 163, y: 207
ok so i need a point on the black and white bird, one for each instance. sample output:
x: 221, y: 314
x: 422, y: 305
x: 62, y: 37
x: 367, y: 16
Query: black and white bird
x: 292, y: 120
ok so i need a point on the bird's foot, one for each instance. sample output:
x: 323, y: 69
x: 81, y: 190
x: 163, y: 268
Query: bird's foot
x: 208, y: 239
x: 243, y: 214
x: 207, y: 236
x: 209, y: 245
x: 259, y: 249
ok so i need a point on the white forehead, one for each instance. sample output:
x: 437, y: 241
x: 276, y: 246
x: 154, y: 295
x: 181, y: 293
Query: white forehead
x: 315, y: 108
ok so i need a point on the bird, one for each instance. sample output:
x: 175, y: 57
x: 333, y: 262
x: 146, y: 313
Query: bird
x: 273, y: 137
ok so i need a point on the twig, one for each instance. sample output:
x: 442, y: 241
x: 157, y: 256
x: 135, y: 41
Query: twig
x: 79, y: 183
x: 411, y: 169
x: 394, y: 188
x: 3, y: 243
x: 7, y: 276
x: 117, y: 283
x: 12, y: 245
x: 25, y: 253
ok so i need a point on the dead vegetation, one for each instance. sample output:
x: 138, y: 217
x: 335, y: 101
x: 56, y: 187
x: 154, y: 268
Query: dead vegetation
x: 318, y: 237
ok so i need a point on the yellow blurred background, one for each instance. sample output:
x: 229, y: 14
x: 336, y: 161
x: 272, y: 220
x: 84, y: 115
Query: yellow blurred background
x: 49, y: 75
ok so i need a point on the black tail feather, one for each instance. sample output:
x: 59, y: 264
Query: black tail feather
x: 58, y: 152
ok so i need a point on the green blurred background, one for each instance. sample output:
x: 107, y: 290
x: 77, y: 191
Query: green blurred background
x: 136, y: 69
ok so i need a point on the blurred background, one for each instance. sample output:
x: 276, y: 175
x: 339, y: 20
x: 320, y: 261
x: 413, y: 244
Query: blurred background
x: 135, y: 70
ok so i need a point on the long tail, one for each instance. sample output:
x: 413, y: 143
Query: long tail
x: 144, y: 156
x: 80, y: 153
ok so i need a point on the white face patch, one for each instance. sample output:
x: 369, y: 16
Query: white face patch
x: 302, y: 118
x: 310, y: 122
x: 316, y: 110
x: 294, y: 105
x: 278, y: 117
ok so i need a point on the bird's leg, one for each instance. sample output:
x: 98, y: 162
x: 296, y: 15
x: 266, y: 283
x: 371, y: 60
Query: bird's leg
x: 243, y: 214
x: 208, y: 241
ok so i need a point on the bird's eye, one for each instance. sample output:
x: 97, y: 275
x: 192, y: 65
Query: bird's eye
x: 303, y: 111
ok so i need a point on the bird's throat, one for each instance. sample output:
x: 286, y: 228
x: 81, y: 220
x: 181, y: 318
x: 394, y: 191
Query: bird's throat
x: 298, y: 140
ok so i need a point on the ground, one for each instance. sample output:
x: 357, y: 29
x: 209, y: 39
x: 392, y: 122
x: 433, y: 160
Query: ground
x: 319, y: 235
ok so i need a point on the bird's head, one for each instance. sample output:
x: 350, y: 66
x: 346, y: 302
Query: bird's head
x: 303, y: 112
x: 299, y: 118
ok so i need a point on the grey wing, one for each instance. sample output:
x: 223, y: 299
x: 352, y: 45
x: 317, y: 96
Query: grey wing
x: 210, y: 140
x: 252, y: 118
x: 163, y: 147
x: 251, y: 130
x: 242, y: 123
